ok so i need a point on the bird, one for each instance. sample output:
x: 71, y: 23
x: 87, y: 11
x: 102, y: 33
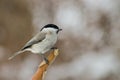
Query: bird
x: 42, y: 42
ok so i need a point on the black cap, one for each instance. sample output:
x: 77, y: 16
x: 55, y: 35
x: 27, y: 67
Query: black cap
x: 51, y: 26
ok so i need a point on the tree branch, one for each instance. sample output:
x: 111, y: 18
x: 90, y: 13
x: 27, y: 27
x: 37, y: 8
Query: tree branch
x: 42, y: 69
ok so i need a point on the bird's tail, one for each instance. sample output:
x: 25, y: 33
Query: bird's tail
x: 15, y: 54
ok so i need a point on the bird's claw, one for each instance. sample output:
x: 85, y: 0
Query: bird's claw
x: 46, y: 60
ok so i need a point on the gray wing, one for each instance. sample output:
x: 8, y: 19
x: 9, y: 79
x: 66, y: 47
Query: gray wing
x: 37, y: 38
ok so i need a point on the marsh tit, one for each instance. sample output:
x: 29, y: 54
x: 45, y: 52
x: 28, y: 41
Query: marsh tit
x: 42, y: 42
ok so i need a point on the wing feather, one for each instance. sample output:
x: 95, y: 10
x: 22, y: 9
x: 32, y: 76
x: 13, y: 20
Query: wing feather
x: 38, y: 38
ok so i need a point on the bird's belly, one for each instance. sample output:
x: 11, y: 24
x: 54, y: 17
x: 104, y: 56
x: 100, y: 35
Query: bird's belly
x: 43, y: 46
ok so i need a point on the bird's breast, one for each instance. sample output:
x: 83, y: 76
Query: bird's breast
x: 45, y: 45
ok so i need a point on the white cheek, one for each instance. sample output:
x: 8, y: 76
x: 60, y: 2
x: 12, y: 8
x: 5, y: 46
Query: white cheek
x: 50, y: 30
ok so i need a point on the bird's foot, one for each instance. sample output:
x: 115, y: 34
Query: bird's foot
x: 46, y: 60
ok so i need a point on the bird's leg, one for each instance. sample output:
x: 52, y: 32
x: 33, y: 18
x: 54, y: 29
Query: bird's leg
x: 46, y: 60
x: 54, y: 48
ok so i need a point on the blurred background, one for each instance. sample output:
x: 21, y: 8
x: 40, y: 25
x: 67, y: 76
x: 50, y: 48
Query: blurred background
x: 89, y: 43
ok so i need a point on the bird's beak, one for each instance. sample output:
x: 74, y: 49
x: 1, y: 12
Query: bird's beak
x: 60, y: 29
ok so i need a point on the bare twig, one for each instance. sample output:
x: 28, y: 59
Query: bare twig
x: 40, y: 73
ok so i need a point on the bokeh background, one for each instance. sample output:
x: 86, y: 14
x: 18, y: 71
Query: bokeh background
x: 89, y: 43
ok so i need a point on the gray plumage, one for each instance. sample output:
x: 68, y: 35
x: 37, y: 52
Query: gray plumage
x: 38, y: 38
x: 42, y: 42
